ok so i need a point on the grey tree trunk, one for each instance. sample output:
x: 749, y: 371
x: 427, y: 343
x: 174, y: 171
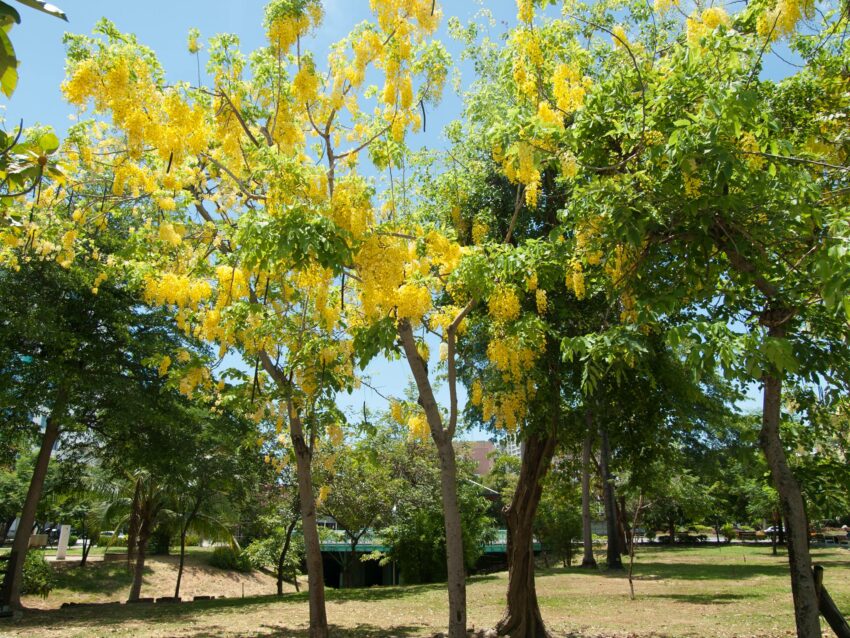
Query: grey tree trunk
x: 183, y: 531
x: 806, y: 611
x: 12, y: 593
x: 139, y: 567
x: 613, y: 556
x: 588, y: 559
x: 455, y: 568
x: 312, y: 546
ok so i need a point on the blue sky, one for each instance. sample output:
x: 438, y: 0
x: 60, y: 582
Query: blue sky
x: 164, y: 27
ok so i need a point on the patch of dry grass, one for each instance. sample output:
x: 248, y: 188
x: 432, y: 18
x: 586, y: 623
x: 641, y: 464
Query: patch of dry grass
x: 729, y: 592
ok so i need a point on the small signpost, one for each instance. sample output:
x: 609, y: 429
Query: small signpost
x: 64, y: 534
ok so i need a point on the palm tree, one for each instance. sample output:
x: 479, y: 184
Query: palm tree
x: 196, y: 509
x: 142, y: 504
x: 145, y: 504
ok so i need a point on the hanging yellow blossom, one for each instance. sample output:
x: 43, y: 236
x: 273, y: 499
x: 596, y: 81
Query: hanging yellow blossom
x: 503, y: 304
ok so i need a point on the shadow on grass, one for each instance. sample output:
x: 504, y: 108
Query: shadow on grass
x: 105, y: 615
x: 646, y: 570
x: 704, y: 599
x: 366, y: 594
x: 359, y: 631
x: 95, y: 578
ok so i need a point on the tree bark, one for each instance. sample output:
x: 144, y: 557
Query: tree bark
x: 791, y: 501
x: 522, y: 617
x: 614, y: 559
x: 12, y: 593
x: 312, y: 546
x: 455, y: 567
x: 282, y: 557
x: 183, y: 531
x: 588, y: 559
x: 625, y: 531
x: 139, y: 568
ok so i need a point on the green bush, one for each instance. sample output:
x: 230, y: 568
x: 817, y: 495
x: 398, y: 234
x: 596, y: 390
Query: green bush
x: 192, y: 540
x: 72, y: 540
x: 38, y: 575
x: 159, y: 541
x: 230, y: 558
x: 111, y: 541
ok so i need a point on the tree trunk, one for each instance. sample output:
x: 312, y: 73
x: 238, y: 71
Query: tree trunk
x: 139, y: 568
x: 522, y: 617
x: 312, y: 546
x: 588, y: 559
x: 134, y: 523
x: 625, y: 537
x: 87, y: 543
x: 781, y: 530
x: 614, y: 559
x: 12, y: 593
x: 455, y: 568
x: 791, y: 500
x: 282, y: 557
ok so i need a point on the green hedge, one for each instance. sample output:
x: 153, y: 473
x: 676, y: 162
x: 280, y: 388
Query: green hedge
x: 231, y: 559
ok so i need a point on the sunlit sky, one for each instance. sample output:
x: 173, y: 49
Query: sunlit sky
x: 164, y: 26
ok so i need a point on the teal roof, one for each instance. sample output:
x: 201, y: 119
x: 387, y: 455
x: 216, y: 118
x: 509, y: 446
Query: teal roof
x: 369, y: 544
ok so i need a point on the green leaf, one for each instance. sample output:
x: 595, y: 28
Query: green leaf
x: 48, y: 142
x: 8, y: 65
x: 8, y: 14
x: 45, y: 7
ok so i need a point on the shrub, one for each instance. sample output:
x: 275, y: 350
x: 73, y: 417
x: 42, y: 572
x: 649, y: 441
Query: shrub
x: 38, y: 575
x: 227, y: 557
x: 72, y: 540
x: 192, y: 540
x: 159, y: 541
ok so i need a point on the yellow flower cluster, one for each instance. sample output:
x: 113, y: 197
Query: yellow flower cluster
x: 549, y: 117
x: 477, y: 393
x: 750, y: 146
x: 285, y: 24
x: 525, y: 10
x: 169, y: 234
x: 519, y: 166
x: 541, y: 301
x: 619, y: 37
x: 413, y: 301
x: 124, y: 86
x: 527, y: 62
x: 569, y: 88
x: 397, y: 411
x: 663, y: 6
x: 177, y: 290
x: 511, y: 358
x: 232, y: 284
x: 351, y: 206
x: 503, y: 305
x: 418, y: 426
x: 480, y: 229
x: 782, y: 18
x: 700, y: 26
x: 575, y: 279
x: 193, y: 378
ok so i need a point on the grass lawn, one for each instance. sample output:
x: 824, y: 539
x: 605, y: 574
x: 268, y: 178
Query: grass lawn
x: 727, y: 592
